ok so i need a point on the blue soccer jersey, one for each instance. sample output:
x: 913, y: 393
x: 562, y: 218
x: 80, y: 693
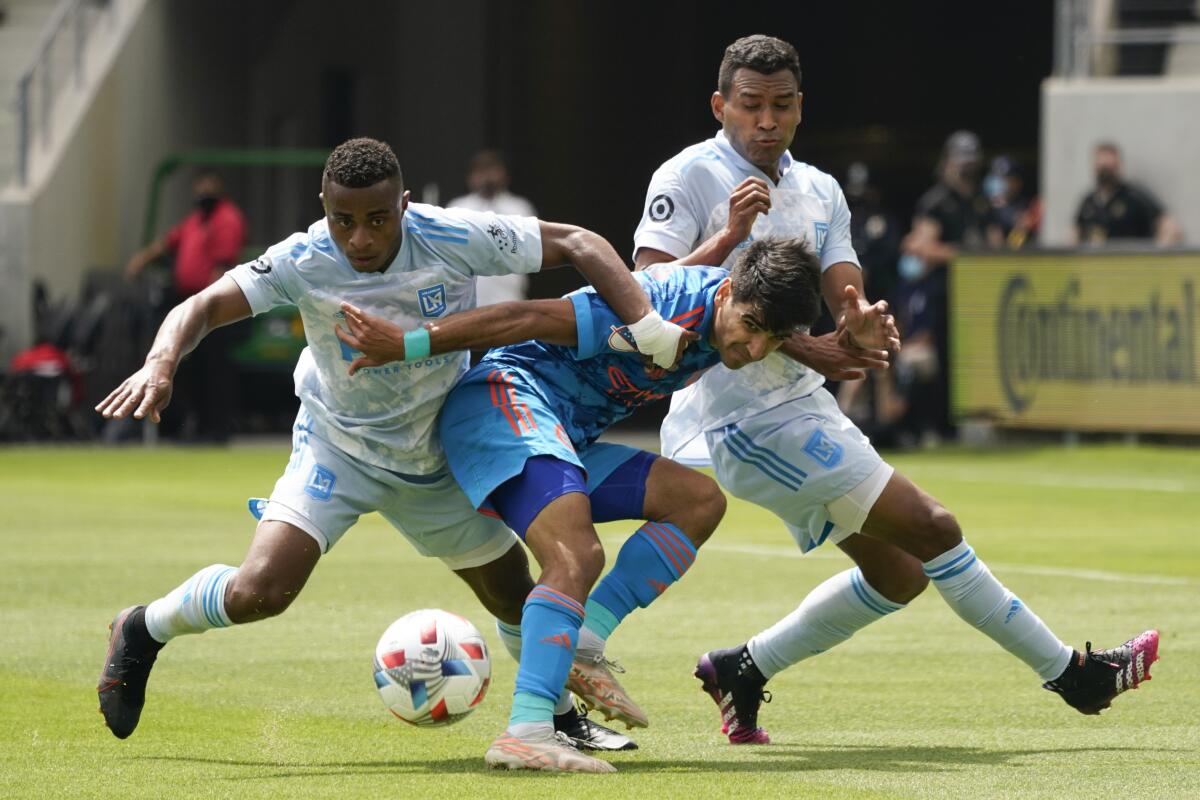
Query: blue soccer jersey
x: 603, y: 378
x: 534, y: 399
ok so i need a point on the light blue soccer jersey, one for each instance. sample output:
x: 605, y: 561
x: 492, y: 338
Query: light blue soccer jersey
x: 386, y: 415
x: 687, y: 203
x: 603, y: 379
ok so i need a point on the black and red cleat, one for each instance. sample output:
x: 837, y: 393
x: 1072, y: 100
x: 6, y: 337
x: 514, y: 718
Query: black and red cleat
x: 122, y: 686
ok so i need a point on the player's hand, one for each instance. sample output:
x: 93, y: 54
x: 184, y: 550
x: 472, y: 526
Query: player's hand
x: 833, y: 357
x: 379, y: 340
x: 750, y: 198
x: 868, y: 326
x: 686, y: 338
x: 144, y: 393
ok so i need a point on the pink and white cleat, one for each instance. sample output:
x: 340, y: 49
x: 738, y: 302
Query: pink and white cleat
x: 737, y: 690
x: 1094, y: 678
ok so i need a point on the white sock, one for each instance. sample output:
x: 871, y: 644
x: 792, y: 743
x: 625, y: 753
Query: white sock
x: 195, y: 606
x: 510, y: 636
x: 828, y: 616
x: 590, y: 643
x: 975, y: 595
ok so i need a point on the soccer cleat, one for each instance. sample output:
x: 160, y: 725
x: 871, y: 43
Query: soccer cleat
x: 737, y: 692
x: 554, y: 753
x: 1090, y: 684
x: 592, y: 681
x: 122, y: 685
x: 586, y: 734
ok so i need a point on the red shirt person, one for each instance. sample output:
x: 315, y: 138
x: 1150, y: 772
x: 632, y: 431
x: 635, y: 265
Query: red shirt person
x: 205, y: 243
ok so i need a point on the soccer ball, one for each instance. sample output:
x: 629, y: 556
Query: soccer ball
x: 432, y: 667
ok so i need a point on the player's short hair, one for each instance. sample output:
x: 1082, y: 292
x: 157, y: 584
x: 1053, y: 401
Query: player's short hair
x: 1109, y: 147
x: 781, y: 278
x: 362, y: 162
x: 764, y: 54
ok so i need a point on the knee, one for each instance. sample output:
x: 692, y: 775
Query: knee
x: 582, y: 568
x: 256, y: 594
x: 701, y: 508
x: 943, y: 531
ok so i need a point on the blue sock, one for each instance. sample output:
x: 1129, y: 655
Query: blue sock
x: 651, y: 560
x: 549, y: 632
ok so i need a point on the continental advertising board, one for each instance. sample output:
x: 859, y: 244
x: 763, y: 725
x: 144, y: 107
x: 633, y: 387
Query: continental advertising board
x: 1077, y: 341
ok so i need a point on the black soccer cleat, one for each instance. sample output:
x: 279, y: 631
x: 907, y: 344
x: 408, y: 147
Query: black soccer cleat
x: 1093, y: 679
x: 588, y: 734
x: 734, y: 683
x: 122, y: 687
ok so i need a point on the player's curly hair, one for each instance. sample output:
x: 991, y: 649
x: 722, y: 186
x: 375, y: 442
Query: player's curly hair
x: 781, y: 278
x: 362, y: 162
x: 764, y: 54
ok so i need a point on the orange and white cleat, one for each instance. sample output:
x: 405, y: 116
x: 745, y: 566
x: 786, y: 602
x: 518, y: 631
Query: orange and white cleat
x: 592, y: 681
x: 552, y: 753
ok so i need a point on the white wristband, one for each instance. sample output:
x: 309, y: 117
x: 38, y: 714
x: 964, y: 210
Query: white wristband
x: 656, y: 338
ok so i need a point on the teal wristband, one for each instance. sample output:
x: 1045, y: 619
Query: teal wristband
x: 416, y: 344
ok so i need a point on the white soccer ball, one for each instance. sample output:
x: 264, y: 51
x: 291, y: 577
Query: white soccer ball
x: 432, y: 667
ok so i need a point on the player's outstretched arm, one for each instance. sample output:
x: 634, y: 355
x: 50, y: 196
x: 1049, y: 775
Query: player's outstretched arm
x: 148, y: 391
x: 381, y: 341
x: 865, y: 332
x: 599, y: 263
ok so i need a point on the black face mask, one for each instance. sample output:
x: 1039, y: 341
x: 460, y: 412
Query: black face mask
x: 1107, y: 177
x: 206, y: 203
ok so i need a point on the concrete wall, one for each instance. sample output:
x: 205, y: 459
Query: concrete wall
x: 1155, y: 121
x: 225, y: 73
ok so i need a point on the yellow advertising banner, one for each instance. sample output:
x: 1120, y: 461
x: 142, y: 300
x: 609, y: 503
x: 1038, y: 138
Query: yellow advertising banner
x: 1077, y: 341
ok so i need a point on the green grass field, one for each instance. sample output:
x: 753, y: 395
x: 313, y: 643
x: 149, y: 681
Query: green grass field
x: 1101, y: 542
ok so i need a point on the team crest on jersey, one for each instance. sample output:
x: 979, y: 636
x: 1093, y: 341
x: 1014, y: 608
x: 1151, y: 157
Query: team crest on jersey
x: 432, y: 300
x: 503, y: 236
x: 825, y: 451
x: 621, y: 340
x: 262, y: 265
x: 319, y: 485
x: 822, y: 230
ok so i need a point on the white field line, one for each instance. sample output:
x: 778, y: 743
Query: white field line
x: 1058, y: 480
x: 769, y: 551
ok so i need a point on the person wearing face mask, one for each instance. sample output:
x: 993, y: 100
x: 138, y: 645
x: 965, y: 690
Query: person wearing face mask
x: 1117, y: 209
x: 205, y: 243
x: 487, y: 178
x: 951, y: 216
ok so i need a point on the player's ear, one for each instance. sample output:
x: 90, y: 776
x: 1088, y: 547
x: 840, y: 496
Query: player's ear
x: 718, y: 107
x: 723, y: 292
x: 800, y: 103
x: 404, y: 198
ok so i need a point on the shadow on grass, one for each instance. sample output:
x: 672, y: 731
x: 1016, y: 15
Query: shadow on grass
x: 775, y: 758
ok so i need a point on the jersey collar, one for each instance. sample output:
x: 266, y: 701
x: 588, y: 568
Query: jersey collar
x: 722, y: 144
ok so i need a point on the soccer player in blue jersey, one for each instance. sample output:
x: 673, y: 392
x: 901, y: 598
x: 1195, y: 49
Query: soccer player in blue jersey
x: 520, y: 433
x: 775, y: 437
x: 366, y: 442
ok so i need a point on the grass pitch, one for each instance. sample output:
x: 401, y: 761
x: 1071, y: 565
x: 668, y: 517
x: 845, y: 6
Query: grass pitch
x: 1101, y: 542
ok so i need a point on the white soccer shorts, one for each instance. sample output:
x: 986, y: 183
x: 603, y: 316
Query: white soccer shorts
x: 805, y: 461
x: 324, y: 491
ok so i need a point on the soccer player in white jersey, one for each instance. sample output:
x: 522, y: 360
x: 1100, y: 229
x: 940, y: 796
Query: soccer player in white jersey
x: 363, y: 442
x: 777, y: 438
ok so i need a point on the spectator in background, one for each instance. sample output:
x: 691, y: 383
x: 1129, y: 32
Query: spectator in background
x: 1116, y: 209
x: 487, y: 178
x: 205, y: 244
x: 874, y: 232
x: 1015, y: 217
x: 951, y: 216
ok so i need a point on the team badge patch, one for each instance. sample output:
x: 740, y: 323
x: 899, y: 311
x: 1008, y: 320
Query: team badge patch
x: 432, y: 300
x: 621, y: 340
x: 824, y: 451
x: 319, y: 485
x: 822, y: 230
x: 661, y: 208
